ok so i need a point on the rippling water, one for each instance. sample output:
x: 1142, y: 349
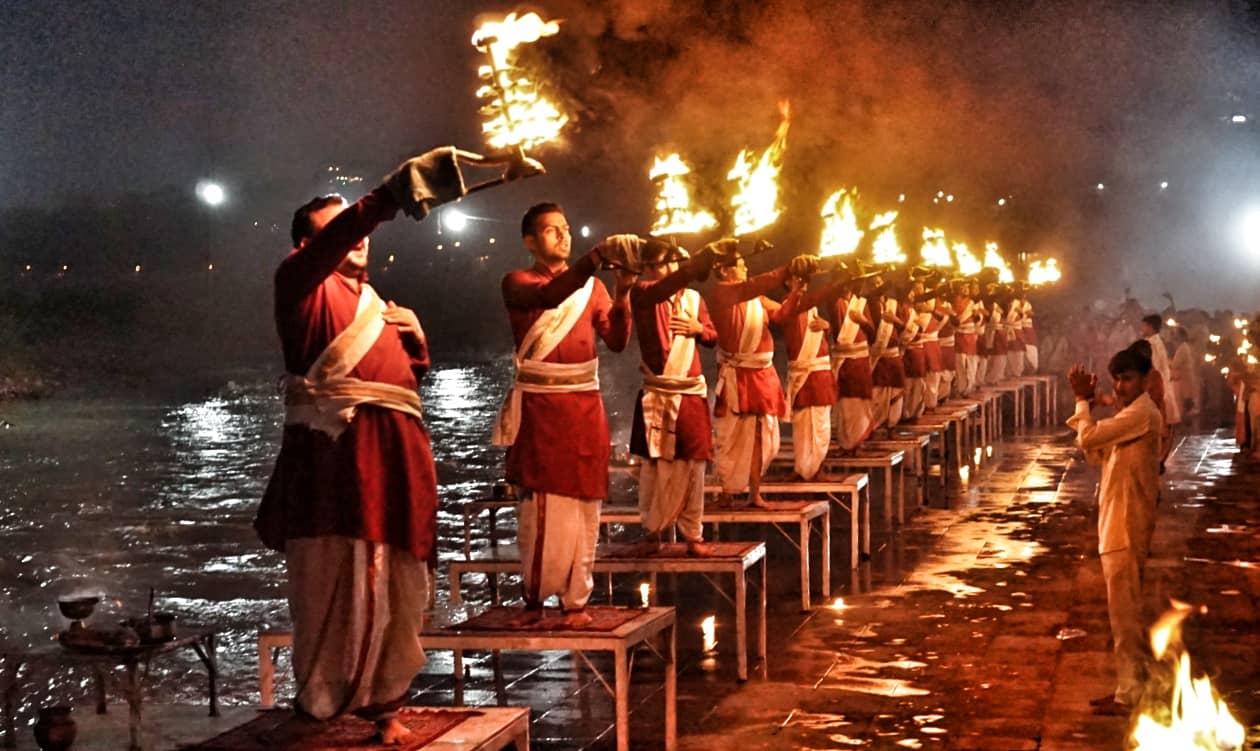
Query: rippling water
x: 117, y: 496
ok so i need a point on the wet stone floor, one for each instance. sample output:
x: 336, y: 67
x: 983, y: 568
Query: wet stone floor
x: 979, y: 624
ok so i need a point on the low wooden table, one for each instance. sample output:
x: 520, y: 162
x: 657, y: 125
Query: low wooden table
x: 871, y: 458
x: 200, y: 640
x: 1016, y: 392
x: 641, y: 631
x: 937, y: 432
x: 489, y: 729
x: 917, y: 451
x: 801, y: 513
x: 734, y: 558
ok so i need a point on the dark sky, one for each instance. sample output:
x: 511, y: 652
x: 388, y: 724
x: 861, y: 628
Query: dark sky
x: 1035, y: 100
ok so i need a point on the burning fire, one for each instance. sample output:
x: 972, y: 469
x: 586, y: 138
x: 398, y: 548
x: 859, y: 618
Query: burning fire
x: 885, y: 248
x: 1194, y: 717
x: 968, y: 264
x: 993, y: 259
x: 517, y: 115
x: 756, y: 200
x: 674, y: 215
x: 708, y: 630
x: 934, y: 251
x: 645, y: 593
x: 840, y: 234
x: 1040, y: 273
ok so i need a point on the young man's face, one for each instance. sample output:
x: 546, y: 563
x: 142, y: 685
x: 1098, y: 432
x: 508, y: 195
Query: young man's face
x: 1128, y: 385
x: 737, y: 272
x: 550, y: 243
x: 1147, y: 330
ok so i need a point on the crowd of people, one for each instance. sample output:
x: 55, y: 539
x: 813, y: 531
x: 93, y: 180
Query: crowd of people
x: 352, y: 500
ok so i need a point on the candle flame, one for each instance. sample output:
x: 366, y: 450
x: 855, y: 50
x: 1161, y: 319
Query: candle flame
x: 1194, y: 717
x: 840, y: 234
x: 934, y: 251
x: 674, y: 214
x: 755, y: 203
x: 517, y: 114
x: 645, y: 593
x: 885, y: 248
x: 708, y: 628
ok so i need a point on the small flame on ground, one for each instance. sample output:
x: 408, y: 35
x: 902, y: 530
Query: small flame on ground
x: 993, y: 259
x: 840, y: 233
x: 934, y: 251
x: 1194, y: 716
x: 756, y: 200
x: 964, y: 472
x: 885, y: 248
x: 979, y: 452
x: 838, y: 604
x: 674, y: 213
x: 988, y: 450
x: 708, y: 627
x: 645, y: 593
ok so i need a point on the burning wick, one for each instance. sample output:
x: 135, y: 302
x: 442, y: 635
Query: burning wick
x: 838, y: 604
x: 709, y: 628
x: 645, y: 593
x: 964, y: 472
x: 988, y: 450
x: 979, y: 455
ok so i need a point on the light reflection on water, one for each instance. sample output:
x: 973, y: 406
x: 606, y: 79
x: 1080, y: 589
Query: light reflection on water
x: 118, y: 496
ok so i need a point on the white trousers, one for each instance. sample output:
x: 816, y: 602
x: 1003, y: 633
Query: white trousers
x: 733, y: 451
x: 671, y: 491
x: 886, y: 406
x: 357, y: 609
x: 854, y: 421
x: 1122, y: 573
x: 557, y: 535
x: 811, y: 437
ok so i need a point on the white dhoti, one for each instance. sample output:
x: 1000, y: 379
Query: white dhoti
x: 913, y: 405
x: 982, y: 372
x: 1015, y: 363
x: 671, y: 491
x: 946, y: 389
x: 811, y: 437
x: 932, y: 390
x: 733, y: 450
x: 357, y: 609
x: 966, y: 373
x: 997, y: 369
x: 886, y: 406
x: 1032, y: 360
x: 854, y: 422
x: 557, y: 536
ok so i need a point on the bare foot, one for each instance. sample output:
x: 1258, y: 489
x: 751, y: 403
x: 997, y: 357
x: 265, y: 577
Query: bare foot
x: 700, y: 548
x: 528, y: 616
x: 392, y: 732
x: 577, y: 619
x: 723, y: 500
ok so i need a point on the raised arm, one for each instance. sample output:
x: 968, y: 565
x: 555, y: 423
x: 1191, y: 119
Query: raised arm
x: 732, y: 293
x: 518, y: 293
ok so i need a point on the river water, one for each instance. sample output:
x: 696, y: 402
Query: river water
x: 115, y: 496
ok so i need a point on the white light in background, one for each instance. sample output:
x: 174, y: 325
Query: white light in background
x: 211, y: 193
x: 1239, y: 119
x: 586, y: 231
x: 1249, y: 230
x: 1001, y: 202
x: 1163, y: 185
x: 455, y: 220
x: 1100, y: 187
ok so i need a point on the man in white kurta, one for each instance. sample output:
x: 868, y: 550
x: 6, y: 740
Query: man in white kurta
x: 1151, y: 326
x: 1127, y: 446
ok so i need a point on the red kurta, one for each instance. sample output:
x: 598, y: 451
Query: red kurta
x: 889, y: 372
x: 855, y: 377
x: 965, y: 343
x: 563, y: 443
x: 932, y: 348
x: 651, y: 303
x: 948, y: 359
x: 377, y: 481
x: 760, y: 392
x: 819, y: 389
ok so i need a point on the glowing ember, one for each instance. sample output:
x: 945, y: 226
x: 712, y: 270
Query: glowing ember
x: 934, y: 251
x: 708, y: 627
x: 674, y: 214
x: 756, y: 200
x: 1040, y: 273
x: 885, y: 248
x: 1194, y: 717
x: 968, y: 264
x: 840, y: 234
x: 517, y: 114
x: 994, y: 260
x: 645, y: 593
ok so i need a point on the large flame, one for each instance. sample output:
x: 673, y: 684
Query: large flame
x: 756, y: 200
x: 994, y: 260
x: 934, y: 251
x: 517, y: 115
x: 885, y: 248
x: 1194, y: 718
x: 674, y: 214
x: 1040, y: 273
x: 968, y: 264
x: 840, y: 234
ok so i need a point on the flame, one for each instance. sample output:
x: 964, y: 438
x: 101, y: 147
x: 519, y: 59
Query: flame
x: 645, y: 593
x: 968, y: 264
x: 993, y: 259
x: 517, y: 115
x: 1047, y: 272
x: 1194, y: 716
x: 756, y: 200
x: 708, y: 629
x: 934, y: 251
x: 838, y: 604
x: 840, y: 234
x: 674, y: 215
x: 885, y: 248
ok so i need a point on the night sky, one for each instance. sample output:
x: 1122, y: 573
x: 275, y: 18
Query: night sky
x: 1034, y: 101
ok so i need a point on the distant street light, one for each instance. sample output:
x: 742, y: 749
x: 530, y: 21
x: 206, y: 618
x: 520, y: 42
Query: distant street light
x: 1100, y: 187
x: 211, y: 193
x: 1163, y: 185
x: 1238, y: 119
x: 1001, y: 202
x: 586, y: 231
